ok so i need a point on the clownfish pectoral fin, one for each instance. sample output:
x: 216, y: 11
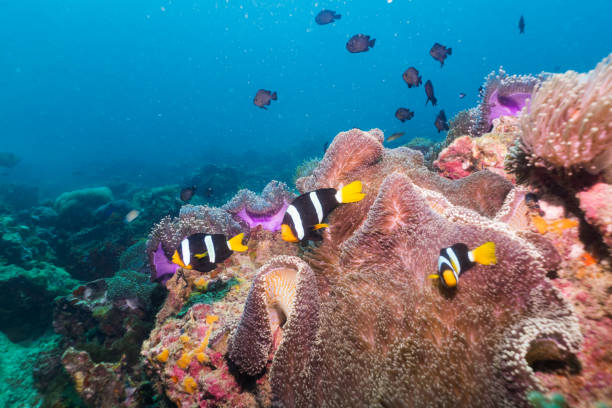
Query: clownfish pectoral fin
x: 350, y: 193
x: 235, y: 243
x: 485, y: 254
x: 319, y: 226
x: 177, y: 259
x: 202, y: 255
x: 433, y: 276
x: 287, y: 235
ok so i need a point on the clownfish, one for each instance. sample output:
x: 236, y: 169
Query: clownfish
x: 203, y: 251
x: 306, y: 213
x: 456, y: 259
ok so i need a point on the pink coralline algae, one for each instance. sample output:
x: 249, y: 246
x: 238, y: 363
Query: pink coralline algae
x: 381, y: 333
x: 455, y: 161
x: 596, y: 202
x: 466, y: 155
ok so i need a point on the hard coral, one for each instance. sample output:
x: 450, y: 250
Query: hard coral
x: 75, y: 208
x: 99, y: 384
x: 385, y: 334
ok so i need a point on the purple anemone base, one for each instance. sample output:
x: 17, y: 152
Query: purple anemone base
x: 270, y: 222
x: 506, y: 105
x: 163, y: 268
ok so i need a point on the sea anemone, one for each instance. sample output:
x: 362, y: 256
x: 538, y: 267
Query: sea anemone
x: 569, y: 124
x: 502, y: 95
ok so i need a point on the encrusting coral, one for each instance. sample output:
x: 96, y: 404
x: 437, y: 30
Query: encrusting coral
x: 466, y: 155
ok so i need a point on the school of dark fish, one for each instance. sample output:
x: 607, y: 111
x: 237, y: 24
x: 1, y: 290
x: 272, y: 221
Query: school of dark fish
x: 360, y: 43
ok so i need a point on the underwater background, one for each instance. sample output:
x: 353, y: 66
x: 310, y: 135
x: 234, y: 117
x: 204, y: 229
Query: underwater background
x: 111, y: 109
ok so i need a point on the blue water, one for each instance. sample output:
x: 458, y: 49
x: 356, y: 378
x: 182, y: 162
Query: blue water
x: 148, y: 90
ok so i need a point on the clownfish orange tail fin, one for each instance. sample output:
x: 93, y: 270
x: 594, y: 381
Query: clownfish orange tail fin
x: 351, y: 193
x: 485, y: 254
x: 235, y: 243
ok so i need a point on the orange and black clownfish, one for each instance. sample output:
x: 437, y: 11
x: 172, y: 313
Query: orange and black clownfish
x: 203, y: 251
x: 306, y: 213
x: 456, y: 259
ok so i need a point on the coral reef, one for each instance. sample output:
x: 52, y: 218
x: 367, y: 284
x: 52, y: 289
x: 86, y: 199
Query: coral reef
x: 565, y: 146
x: 185, y: 352
x: 371, y: 269
x: 419, y: 143
x: 27, y: 294
x: 75, y: 208
x: 19, y: 385
x: 245, y: 211
x: 306, y: 168
x: 309, y: 325
x: 466, y: 155
x: 103, y: 324
x: 101, y: 384
x: 168, y: 233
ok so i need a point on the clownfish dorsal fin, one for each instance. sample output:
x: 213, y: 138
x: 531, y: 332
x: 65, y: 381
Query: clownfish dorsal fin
x: 235, y: 243
x: 350, y: 193
x: 319, y: 226
x: 485, y: 254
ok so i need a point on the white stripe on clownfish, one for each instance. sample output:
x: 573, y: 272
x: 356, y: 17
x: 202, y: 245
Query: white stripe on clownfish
x: 186, y: 252
x: 210, y: 248
x: 317, y: 205
x: 297, y: 221
x: 454, y: 261
x: 443, y: 261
